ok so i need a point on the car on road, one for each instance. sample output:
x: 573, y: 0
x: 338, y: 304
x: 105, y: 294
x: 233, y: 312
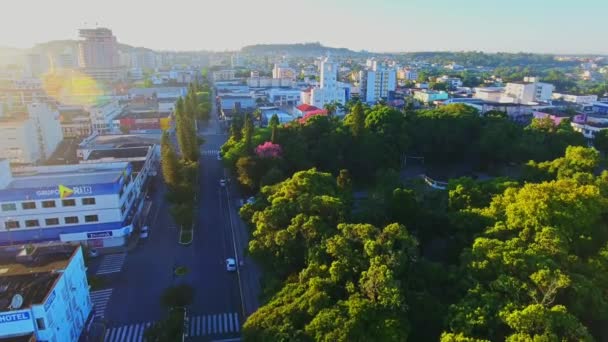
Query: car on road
x: 230, y: 265
x: 222, y: 182
x: 143, y: 233
x: 93, y: 253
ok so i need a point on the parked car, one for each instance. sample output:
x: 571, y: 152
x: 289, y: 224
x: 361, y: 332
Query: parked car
x: 230, y: 265
x: 222, y: 182
x: 143, y: 233
x: 93, y: 253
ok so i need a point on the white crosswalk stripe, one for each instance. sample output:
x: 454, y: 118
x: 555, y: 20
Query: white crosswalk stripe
x: 111, y: 263
x: 217, y: 324
x: 127, y: 333
x: 100, y: 301
x: 210, y: 152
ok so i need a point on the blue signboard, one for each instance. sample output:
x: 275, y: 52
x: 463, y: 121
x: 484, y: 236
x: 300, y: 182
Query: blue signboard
x: 59, y: 191
x: 14, y: 317
x: 49, y: 302
x: 98, y: 235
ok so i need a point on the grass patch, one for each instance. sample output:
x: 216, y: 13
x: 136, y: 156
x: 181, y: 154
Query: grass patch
x: 96, y: 283
x: 181, y: 271
x: 185, y: 236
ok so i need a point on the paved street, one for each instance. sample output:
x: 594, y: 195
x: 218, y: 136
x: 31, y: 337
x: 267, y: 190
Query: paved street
x: 137, y: 279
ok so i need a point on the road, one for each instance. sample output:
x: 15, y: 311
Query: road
x: 222, y: 299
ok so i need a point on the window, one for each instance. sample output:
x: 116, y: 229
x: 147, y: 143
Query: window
x: 9, y: 206
x: 28, y: 205
x: 88, y: 201
x: 40, y: 323
x: 48, y: 204
x: 68, y: 202
x: 51, y: 221
x: 71, y: 219
x: 11, y: 224
x: 91, y: 218
x: 32, y: 223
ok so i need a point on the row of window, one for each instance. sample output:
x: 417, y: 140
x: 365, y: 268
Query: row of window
x: 69, y: 202
x: 54, y: 221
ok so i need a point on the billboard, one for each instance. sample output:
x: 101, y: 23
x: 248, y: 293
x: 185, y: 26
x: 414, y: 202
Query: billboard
x: 59, y: 191
x: 16, y: 322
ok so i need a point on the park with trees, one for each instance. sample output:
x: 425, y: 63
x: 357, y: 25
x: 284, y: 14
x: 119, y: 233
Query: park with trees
x: 354, y: 251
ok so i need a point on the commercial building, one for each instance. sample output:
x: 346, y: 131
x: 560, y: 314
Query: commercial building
x: 98, y: 54
x: 103, y: 114
x: 430, y: 96
x: 284, y: 96
x: 132, y: 121
x: 89, y: 203
x: 377, y: 82
x: 407, y: 74
x: 224, y: 75
x: 267, y: 82
x: 75, y: 122
x: 45, y: 294
x: 576, y: 99
x: 600, y: 108
x: 21, y: 92
x: 451, y: 82
x: 492, y: 94
x: 29, y: 138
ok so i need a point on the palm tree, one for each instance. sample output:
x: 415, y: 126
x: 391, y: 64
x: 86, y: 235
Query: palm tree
x: 330, y: 108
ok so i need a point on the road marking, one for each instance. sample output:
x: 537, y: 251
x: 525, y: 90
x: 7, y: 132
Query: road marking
x: 210, y: 152
x: 214, y: 324
x: 127, y: 333
x: 100, y: 301
x: 111, y: 264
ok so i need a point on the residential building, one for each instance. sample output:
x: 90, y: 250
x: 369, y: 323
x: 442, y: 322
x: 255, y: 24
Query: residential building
x: 267, y: 82
x: 23, y: 91
x: 30, y: 137
x: 589, y: 125
x: 236, y: 60
x: 407, y: 74
x: 36, y: 64
x: 75, y: 122
x: 328, y: 90
x: 103, y: 114
x: 451, y: 82
x: 87, y: 203
x: 284, y: 96
x: 377, y: 82
x: 527, y: 92
x: 576, y: 99
x: 491, y: 94
x: 241, y: 102
x: 600, y: 108
x: 282, y: 70
x: 305, y: 109
x: 430, y: 96
x: 98, y: 54
x: 224, y: 75
x: 46, y: 294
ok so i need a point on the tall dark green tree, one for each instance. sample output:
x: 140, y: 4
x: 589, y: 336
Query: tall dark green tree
x: 358, y: 120
x: 274, y: 123
x: 248, y: 131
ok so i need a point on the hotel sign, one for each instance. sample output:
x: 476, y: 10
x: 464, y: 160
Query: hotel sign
x: 14, y: 317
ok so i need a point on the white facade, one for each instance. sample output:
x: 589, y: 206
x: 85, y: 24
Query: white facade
x: 68, y: 203
x: 377, y: 82
x: 224, y: 75
x: 63, y: 312
x: 281, y: 97
x: 329, y: 91
x: 577, y: 99
x: 267, y: 82
x: 490, y: 94
x: 524, y: 93
x: 282, y: 70
x: 451, y: 82
x: 103, y: 114
x: 31, y: 138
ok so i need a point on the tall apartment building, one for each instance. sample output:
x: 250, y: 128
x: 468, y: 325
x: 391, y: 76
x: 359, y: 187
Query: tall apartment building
x: 98, y: 54
x: 30, y: 137
x: 284, y: 71
x: 376, y: 82
x: 329, y: 90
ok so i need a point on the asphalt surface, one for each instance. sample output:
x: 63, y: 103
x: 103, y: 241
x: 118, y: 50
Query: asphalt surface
x: 219, y: 234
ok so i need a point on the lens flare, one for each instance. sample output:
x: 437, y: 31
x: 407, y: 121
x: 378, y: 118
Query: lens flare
x: 72, y: 87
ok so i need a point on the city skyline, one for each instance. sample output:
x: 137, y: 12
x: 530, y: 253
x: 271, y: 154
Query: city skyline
x: 383, y: 26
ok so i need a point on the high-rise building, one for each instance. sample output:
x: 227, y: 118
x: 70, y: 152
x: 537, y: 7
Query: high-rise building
x: 328, y: 90
x: 376, y: 82
x: 98, y: 54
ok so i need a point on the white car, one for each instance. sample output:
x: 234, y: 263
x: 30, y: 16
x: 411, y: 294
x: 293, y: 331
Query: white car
x: 93, y: 253
x: 222, y: 182
x: 143, y: 234
x: 230, y: 265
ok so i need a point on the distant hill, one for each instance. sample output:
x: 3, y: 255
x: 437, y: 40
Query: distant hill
x: 305, y: 49
x: 58, y: 46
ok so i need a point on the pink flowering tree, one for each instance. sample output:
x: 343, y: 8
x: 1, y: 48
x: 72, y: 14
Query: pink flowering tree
x: 268, y: 150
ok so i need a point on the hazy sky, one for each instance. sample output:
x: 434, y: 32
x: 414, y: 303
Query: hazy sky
x: 560, y: 26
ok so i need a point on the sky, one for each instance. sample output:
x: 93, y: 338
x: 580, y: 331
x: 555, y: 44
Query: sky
x: 547, y: 26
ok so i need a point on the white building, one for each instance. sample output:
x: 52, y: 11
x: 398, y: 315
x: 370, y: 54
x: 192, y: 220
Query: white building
x: 284, y: 97
x: 103, y: 114
x: 376, y: 82
x: 451, y: 82
x: 88, y: 203
x: 577, y: 99
x: 224, y: 75
x: 48, y: 293
x: 490, y: 94
x: 527, y: 92
x: 267, y: 82
x: 328, y: 91
x: 407, y: 74
x: 28, y: 138
x: 282, y: 70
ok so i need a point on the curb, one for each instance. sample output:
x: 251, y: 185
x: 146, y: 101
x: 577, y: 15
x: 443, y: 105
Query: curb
x: 180, y: 237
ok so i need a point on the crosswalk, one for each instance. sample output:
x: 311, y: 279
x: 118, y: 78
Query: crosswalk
x: 111, y: 264
x: 100, y: 301
x: 218, y: 324
x: 127, y: 333
x: 201, y: 325
x: 210, y: 152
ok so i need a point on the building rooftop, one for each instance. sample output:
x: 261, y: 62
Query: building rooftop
x: 31, y: 276
x: 125, y: 152
x: 112, y: 141
x: 31, y: 337
x: 67, y: 175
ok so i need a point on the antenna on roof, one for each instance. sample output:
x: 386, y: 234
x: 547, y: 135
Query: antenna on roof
x: 17, y: 301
